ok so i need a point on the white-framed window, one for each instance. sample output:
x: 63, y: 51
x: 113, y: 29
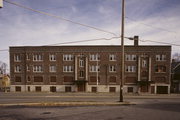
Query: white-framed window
x: 160, y: 57
x: 130, y: 68
x: 67, y: 68
x: 81, y: 74
x: 27, y: 57
x: 112, y: 57
x: 52, y: 68
x: 37, y: 68
x: 130, y: 57
x: 17, y: 58
x: 68, y: 57
x: 112, y: 68
x: 27, y: 68
x: 37, y: 57
x: 94, y: 68
x: 17, y: 68
x: 81, y: 63
x: 94, y: 57
x: 144, y: 63
x: 52, y: 57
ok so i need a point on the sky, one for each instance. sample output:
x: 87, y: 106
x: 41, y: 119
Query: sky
x: 157, y: 20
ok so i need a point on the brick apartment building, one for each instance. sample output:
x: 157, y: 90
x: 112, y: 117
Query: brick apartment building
x: 90, y: 68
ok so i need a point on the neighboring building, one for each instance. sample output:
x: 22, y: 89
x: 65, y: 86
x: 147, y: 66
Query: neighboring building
x: 175, y: 77
x: 4, y: 83
x: 78, y: 68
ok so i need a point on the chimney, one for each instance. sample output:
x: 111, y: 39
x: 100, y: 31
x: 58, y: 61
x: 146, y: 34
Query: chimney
x: 136, y: 40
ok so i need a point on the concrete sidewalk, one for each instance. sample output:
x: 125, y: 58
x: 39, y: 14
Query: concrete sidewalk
x: 80, y: 103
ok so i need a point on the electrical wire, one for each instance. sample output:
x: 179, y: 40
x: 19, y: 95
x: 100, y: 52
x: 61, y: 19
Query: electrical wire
x: 98, y: 39
x: 163, y: 29
x: 59, y: 17
x: 130, y: 38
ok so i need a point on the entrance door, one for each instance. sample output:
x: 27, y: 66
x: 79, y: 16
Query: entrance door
x: 162, y: 89
x: 81, y: 88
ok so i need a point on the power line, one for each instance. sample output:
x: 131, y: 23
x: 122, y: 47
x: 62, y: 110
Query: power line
x: 163, y: 29
x: 3, y: 50
x: 98, y: 39
x: 59, y: 17
x: 130, y: 38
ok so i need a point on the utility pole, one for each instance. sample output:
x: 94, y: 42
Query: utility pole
x: 122, y: 54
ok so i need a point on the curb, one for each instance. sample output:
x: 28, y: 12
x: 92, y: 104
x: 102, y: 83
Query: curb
x: 69, y: 104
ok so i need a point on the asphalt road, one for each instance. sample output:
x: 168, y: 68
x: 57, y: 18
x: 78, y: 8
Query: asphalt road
x: 147, y: 108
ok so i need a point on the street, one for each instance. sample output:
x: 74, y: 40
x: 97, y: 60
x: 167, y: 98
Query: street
x: 147, y: 107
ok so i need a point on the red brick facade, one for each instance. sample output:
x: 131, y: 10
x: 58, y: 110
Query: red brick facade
x: 74, y: 68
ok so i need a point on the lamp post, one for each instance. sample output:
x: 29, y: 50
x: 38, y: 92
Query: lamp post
x: 122, y: 54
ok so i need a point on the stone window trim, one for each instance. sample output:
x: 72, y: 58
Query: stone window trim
x: 112, y: 68
x: 68, y: 68
x: 161, y: 57
x: 17, y: 69
x: 130, y: 68
x: 52, y: 68
x: 112, y: 57
x: 94, y: 57
x: 17, y: 57
x: 37, y: 57
x: 68, y: 57
x: 94, y: 68
x: 52, y: 57
x: 38, y: 68
x: 130, y: 57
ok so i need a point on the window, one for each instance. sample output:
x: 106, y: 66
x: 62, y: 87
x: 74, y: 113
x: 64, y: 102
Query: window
x: 81, y: 63
x: 27, y: 57
x: 17, y: 58
x: 52, y: 57
x: 38, y: 88
x: 17, y: 79
x: 68, y: 79
x: 93, y: 89
x: 18, y: 89
x: 52, y: 68
x: 17, y: 68
x: 94, y: 57
x: 144, y: 63
x: 112, y: 57
x: 94, y: 79
x: 112, y: 68
x: 67, y: 68
x: 160, y: 57
x: 130, y: 90
x: 37, y: 68
x: 160, y: 68
x: 27, y: 68
x: 68, y: 57
x: 52, y: 78
x: 28, y: 79
x: 38, y: 79
x: 68, y: 89
x: 81, y: 74
x: 37, y: 57
x: 130, y: 57
x: 52, y: 89
x: 94, y: 68
x: 112, y: 89
x: 130, y: 68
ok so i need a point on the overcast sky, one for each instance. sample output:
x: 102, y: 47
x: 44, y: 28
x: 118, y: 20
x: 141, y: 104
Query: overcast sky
x: 157, y: 20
